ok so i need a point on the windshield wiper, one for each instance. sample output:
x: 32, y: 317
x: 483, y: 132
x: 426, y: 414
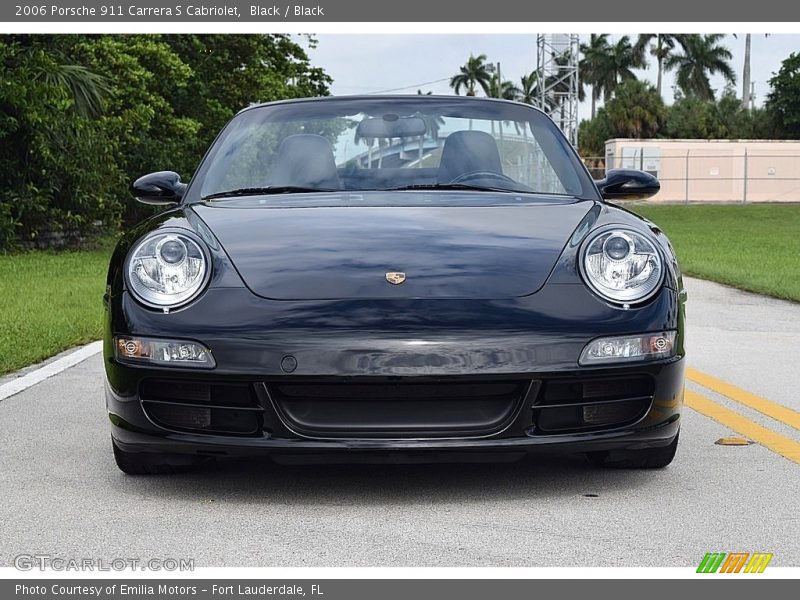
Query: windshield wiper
x: 454, y: 186
x: 259, y: 191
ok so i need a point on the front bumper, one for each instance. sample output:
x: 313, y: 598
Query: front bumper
x: 134, y: 428
x: 531, y: 342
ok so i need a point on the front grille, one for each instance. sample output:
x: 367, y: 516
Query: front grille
x: 197, y: 406
x: 388, y: 409
x: 566, y: 406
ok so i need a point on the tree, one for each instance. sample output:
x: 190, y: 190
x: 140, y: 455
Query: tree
x: 593, y: 66
x: 56, y: 175
x: 702, y: 57
x: 636, y: 111
x: 472, y: 75
x: 783, y: 101
x: 505, y: 90
x: 691, y: 118
x: 81, y: 116
x: 618, y: 68
x: 592, y: 135
x: 661, y: 46
x: 529, y: 88
x: 229, y: 72
x: 87, y: 89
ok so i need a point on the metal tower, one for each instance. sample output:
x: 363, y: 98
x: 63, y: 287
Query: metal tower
x: 557, y: 68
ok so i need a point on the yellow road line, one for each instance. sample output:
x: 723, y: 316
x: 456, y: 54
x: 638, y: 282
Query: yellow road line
x: 768, y: 407
x: 786, y: 447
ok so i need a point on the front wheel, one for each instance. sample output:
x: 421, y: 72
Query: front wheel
x: 151, y: 463
x: 646, y: 458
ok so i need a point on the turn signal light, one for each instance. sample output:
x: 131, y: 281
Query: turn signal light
x: 648, y: 346
x: 177, y: 353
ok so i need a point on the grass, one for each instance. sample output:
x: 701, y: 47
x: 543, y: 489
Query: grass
x: 48, y: 303
x: 750, y: 247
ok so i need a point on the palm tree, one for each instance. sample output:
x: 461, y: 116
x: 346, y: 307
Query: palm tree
x: 636, y: 111
x: 593, y: 64
x: 506, y: 90
x: 472, y: 75
x: 622, y: 59
x: 702, y: 56
x: 529, y: 88
x: 86, y: 88
x: 617, y: 67
x: 661, y: 47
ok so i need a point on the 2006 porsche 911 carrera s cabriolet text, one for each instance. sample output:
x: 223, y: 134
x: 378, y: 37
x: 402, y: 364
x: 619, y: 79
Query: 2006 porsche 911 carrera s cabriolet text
x: 393, y: 278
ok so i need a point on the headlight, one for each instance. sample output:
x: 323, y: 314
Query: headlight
x: 167, y: 269
x: 622, y: 265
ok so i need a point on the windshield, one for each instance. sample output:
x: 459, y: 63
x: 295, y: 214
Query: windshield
x: 390, y: 143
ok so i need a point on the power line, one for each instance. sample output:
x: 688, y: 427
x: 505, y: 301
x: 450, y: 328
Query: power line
x: 407, y: 87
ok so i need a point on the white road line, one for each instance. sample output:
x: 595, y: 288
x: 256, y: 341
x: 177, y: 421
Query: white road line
x: 15, y: 386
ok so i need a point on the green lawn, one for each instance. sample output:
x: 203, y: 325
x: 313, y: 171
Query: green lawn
x: 751, y: 247
x: 49, y: 302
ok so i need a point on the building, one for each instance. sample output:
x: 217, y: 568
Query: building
x: 714, y: 170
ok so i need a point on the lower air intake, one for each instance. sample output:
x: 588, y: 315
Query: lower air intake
x: 566, y: 406
x: 201, y: 407
x: 392, y: 409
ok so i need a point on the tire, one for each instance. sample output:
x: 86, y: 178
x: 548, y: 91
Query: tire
x: 647, y: 458
x: 151, y: 463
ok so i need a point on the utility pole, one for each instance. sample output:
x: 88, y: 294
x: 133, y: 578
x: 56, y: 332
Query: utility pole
x: 494, y: 69
x: 746, y: 94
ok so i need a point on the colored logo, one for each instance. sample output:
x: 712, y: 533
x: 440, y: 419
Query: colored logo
x: 734, y: 562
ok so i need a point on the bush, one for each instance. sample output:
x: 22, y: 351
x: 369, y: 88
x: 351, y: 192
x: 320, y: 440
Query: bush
x: 82, y: 116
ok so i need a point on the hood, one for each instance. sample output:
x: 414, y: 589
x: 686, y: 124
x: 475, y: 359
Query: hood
x: 301, y: 252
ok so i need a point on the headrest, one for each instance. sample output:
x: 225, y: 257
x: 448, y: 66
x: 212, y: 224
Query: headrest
x: 467, y: 152
x: 305, y: 160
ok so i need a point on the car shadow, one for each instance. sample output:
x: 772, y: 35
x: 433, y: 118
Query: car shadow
x: 261, y: 480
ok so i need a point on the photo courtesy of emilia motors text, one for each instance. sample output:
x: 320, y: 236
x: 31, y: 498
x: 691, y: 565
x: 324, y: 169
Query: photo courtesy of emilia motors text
x: 358, y: 300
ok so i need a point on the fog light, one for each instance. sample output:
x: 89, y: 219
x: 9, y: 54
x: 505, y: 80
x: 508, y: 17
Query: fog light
x: 163, y: 352
x: 649, y: 346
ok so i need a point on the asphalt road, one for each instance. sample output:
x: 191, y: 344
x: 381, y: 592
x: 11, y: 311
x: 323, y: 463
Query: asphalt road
x: 61, y: 494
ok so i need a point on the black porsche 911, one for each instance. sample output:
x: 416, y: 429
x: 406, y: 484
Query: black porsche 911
x: 393, y: 278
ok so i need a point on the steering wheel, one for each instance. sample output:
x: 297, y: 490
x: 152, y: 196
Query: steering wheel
x: 482, y: 175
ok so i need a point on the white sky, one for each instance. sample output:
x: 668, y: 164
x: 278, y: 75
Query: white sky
x: 362, y: 64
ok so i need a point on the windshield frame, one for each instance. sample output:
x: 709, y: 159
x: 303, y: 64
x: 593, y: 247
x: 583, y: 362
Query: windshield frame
x: 475, y: 107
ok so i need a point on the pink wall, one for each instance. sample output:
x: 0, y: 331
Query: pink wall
x: 716, y: 168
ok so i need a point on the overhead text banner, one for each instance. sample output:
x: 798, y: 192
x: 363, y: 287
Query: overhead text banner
x: 110, y: 11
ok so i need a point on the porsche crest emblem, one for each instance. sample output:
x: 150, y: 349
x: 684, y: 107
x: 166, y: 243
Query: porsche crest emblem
x: 395, y: 277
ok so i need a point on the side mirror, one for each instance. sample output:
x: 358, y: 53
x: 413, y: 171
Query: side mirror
x: 161, y: 189
x: 628, y: 184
